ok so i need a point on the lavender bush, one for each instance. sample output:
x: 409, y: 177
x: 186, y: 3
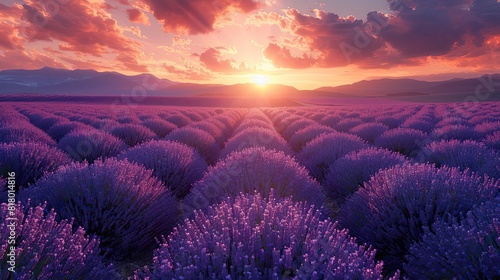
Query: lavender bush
x: 211, y: 128
x: 466, y: 250
x: 295, y: 126
x: 160, y: 127
x: 90, y: 145
x: 391, y: 122
x: 60, y: 130
x: 406, y: 141
x: 459, y: 132
x: 487, y: 128
x: 132, y: 134
x: 29, y: 161
x: 201, y: 140
x: 255, y: 238
x: 349, y: 172
x: 251, y: 123
x: 423, y: 124
x: 45, y: 123
x: 493, y: 140
x: 320, y: 152
x: 300, y: 138
x: 176, y: 164
x: 179, y: 120
x: 47, y: 249
x: 116, y: 200
x: 392, y: 209
x: 255, y: 169
x: 23, y: 132
x: 346, y: 124
x: 369, y: 131
x: 467, y: 154
x: 255, y: 137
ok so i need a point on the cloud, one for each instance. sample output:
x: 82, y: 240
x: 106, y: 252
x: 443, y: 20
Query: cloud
x: 10, y: 37
x: 332, y: 41
x: 415, y: 30
x: 282, y: 57
x: 137, y: 16
x: 28, y: 59
x: 81, y: 26
x: 188, y: 72
x: 211, y: 58
x: 195, y: 16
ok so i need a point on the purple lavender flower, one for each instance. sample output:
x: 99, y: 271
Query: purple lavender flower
x: 199, y: 139
x: 132, y: 134
x: 90, y: 145
x: 179, y: 120
x: 493, y: 140
x: 394, y: 206
x: 369, y: 131
x: 250, y: 237
x: 255, y: 169
x: 251, y: 123
x: 295, y: 126
x: 214, y: 128
x: 346, y: 124
x: 459, y: 132
x: 29, y: 161
x: 22, y: 132
x: 406, y: 141
x: 466, y: 250
x: 176, y: 164
x: 467, y: 154
x: 47, y: 249
x: 160, y: 127
x: 255, y: 137
x: 118, y: 201
x: 320, y: 152
x: 300, y: 138
x: 419, y: 123
x: 391, y: 122
x: 349, y: 172
x: 59, y: 130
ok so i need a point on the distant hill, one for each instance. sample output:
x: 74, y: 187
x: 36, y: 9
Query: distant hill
x: 406, y: 87
x: 75, y: 82
x: 90, y: 82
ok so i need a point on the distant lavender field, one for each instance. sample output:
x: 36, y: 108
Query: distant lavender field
x: 216, y: 189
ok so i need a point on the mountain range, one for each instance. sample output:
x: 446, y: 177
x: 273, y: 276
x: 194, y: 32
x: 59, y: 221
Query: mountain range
x: 90, y: 82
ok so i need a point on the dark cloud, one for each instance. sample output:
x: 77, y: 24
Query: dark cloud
x: 415, y: 29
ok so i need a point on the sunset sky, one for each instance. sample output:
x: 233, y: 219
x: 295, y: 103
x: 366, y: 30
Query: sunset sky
x: 306, y: 44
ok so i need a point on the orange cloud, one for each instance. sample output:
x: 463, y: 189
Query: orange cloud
x: 82, y: 26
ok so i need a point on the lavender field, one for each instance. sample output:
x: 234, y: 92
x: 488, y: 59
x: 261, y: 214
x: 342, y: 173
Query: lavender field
x: 406, y: 191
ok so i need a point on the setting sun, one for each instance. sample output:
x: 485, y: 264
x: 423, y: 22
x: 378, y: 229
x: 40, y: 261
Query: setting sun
x: 260, y: 80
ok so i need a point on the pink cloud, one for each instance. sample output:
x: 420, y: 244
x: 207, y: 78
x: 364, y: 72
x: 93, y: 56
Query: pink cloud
x: 188, y: 72
x: 282, y: 57
x: 195, y: 16
x: 10, y: 37
x: 27, y: 59
x: 82, y: 26
x: 211, y: 59
x: 137, y: 16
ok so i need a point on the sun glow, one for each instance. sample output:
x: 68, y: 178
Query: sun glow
x: 260, y: 80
